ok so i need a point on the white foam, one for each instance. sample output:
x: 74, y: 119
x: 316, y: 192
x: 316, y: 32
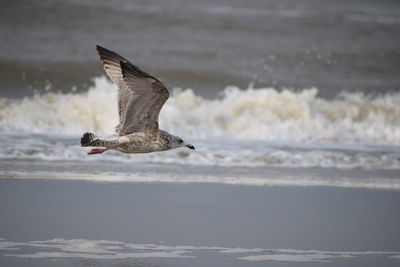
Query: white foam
x: 246, y: 128
x: 111, y: 250
x: 5, y: 245
x: 290, y: 258
x: 247, y: 179
x: 212, y: 153
x: 115, y: 256
x: 265, y: 114
x: 242, y: 250
x: 69, y: 113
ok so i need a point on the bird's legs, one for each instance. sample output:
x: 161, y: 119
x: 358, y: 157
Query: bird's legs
x: 97, y: 151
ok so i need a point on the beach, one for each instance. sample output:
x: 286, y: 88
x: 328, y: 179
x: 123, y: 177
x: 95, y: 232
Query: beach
x: 195, y: 225
x: 293, y: 108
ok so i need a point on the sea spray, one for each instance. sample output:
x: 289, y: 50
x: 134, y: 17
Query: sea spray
x: 58, y: 113
x: 263, y: 114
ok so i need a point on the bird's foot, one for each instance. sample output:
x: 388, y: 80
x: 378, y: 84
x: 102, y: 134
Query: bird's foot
x: 97, y: 151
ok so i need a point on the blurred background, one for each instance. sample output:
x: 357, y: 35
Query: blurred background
x: 350, y: 45
x: 294, y: 102
x: 325, y: 73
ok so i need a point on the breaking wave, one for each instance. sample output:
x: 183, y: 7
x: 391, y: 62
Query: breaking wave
x: 265, y: 114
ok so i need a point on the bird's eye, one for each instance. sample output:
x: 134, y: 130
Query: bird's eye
x: 180, y: 141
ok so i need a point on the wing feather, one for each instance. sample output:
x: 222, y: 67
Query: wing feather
x: 140, y: 96
x: 149, y: 95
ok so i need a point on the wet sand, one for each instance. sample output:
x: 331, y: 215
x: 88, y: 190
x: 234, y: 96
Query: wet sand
x: 212, y: 219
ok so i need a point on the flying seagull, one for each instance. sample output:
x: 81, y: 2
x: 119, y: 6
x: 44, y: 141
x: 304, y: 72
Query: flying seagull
x: 140, y: 99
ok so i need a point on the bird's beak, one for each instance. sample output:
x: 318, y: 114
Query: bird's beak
x: 190, y: 146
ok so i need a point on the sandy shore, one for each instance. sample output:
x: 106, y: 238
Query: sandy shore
x: 147, y: 224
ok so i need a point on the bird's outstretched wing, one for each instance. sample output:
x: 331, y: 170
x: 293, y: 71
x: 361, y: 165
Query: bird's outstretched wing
x: 140, y: 96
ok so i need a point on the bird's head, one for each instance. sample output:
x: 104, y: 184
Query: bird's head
x: 178, y: 142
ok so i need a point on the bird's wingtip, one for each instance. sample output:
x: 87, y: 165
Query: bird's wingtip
x: 124, y: 65
x: 103, y: 51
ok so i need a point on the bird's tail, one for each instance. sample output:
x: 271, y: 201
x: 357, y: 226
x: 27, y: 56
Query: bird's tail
x: 88, y: 139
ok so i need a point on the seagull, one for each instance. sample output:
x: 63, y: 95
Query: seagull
x: 140, y: 99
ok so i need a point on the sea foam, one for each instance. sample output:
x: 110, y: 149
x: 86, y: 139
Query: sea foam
x: 113, y: 250
x: 264, y: 114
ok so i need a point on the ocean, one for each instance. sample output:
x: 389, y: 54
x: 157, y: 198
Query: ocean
x: 254, y: 86
x: 293, y: 107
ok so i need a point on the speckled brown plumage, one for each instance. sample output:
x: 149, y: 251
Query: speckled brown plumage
x: 140, y: 99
